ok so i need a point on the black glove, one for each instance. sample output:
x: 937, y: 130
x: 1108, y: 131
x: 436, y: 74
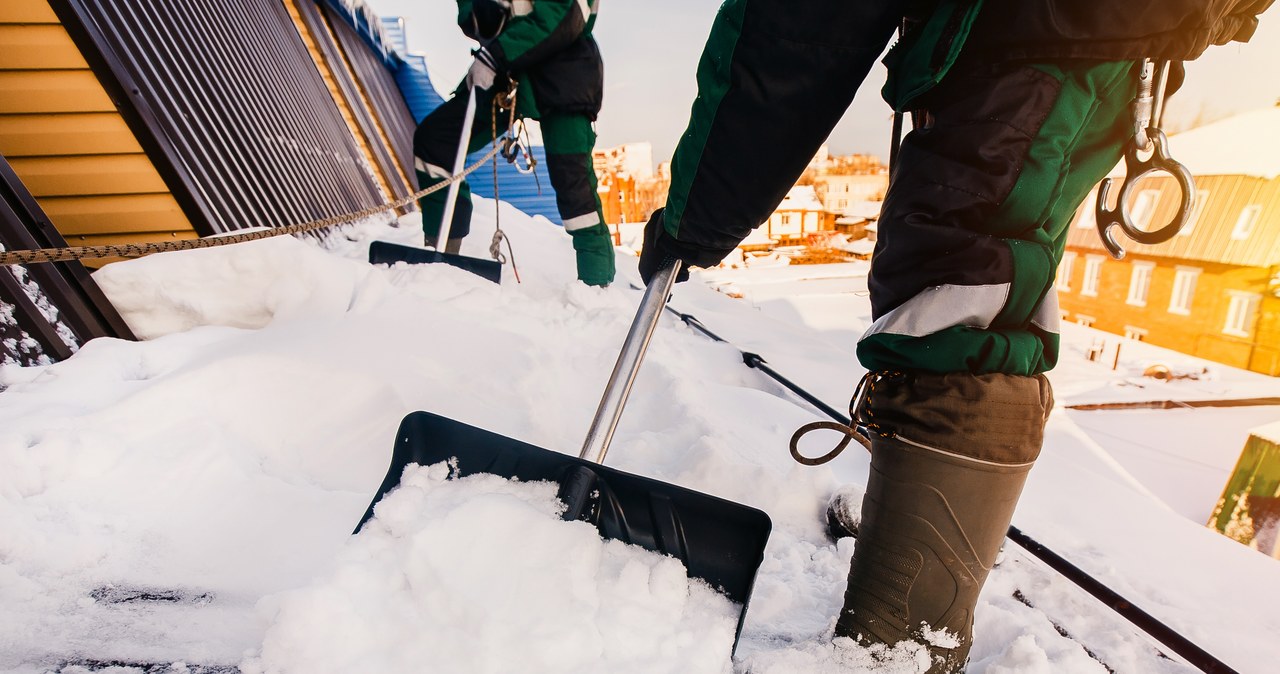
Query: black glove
x: 660, y: 249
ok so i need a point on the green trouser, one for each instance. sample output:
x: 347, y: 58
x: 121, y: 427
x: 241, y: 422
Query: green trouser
x: 569, y: 140
x: 976, y: 215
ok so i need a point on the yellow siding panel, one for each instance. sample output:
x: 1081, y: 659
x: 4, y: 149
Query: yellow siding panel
x: 89, y: 175
x: 27, y: 91
x: 76, y: 216
x: 65, y: 134
x: 38, y: 47
x: 26, y: 11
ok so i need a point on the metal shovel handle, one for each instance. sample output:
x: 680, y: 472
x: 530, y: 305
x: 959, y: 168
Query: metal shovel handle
x: 459, y: 164
x: 628, y: 365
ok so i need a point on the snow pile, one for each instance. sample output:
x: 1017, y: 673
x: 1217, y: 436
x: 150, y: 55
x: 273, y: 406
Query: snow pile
x: 189, y: 499
x: 446, y: 566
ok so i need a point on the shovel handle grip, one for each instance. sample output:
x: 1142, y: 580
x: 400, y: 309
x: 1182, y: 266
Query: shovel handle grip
x: 628, y: 365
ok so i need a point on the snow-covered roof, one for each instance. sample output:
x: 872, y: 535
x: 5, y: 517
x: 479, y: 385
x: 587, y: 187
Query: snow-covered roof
x: 867, y: 210
x: 1269, y: 432
x: 1245, y: 144
x: 801, y: 198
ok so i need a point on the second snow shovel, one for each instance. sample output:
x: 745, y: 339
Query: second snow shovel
x: 383, y: 252
x: 719, y: 541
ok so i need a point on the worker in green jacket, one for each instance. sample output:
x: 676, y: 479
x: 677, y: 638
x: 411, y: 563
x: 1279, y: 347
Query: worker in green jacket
x: 544, y: 47
x: 1020, y: 107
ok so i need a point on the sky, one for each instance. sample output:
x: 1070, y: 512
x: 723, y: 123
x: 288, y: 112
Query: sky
x: 651, y: 50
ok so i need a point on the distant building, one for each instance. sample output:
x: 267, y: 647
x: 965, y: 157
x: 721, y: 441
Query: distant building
x: 799, y: 216
x: 629, y: 188
x: 843, y: 192
x: 1213, y: 291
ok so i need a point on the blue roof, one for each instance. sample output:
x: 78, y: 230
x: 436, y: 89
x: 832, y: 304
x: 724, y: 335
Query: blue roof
x: 516, y: 188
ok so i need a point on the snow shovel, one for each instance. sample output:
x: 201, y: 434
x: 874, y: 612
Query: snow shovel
x: 719, y: 541
x: 383, y: 252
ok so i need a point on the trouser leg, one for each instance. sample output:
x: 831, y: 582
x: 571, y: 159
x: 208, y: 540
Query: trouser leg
x: 435, y: 147
x: 962, y: 291
x: 569, y: 141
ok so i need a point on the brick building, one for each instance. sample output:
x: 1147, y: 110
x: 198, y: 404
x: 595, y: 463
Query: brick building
x: 1213, y: 291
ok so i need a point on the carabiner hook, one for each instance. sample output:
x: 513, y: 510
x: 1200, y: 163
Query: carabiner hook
x: 1135, y: 169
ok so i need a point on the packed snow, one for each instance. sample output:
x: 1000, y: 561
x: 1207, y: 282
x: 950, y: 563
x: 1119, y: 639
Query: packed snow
x: 185, y: 503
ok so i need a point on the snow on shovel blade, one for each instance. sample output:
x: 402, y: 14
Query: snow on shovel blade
x: 384, y: 252
x: 719, y: 541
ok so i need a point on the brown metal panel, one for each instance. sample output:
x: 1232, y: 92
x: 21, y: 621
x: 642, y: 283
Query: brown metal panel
x: 116, y: 213
x: 38, y: 47
x: 89, y: 175
x: 26, y: 11
x: 229, y: 106
x: 379, y: 88
x: 70, y: 308
x: 65, y: 134
x: 28, y: 91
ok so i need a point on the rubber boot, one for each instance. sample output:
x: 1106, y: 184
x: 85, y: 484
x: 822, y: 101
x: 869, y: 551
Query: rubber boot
x: 593, y: 247
x: 950, y: 454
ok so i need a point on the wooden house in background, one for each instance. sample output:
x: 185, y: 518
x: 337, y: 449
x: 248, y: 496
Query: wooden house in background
x: 1213, y: 291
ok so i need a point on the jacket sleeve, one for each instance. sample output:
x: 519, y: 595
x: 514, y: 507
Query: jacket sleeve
x: 530, y: 38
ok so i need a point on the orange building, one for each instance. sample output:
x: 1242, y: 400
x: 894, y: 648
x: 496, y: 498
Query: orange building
x: 1213, y: 291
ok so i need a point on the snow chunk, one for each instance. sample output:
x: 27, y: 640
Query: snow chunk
x: 479, y: 575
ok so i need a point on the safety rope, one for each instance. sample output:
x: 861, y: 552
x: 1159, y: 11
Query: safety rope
x: 15, y: 257
x: 495, y: 244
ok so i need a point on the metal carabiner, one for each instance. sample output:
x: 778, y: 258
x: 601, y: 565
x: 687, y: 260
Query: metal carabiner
x: 1148, y: 109
x: 1135, y: 169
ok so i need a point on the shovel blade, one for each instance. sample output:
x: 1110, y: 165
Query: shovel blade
x: 719, y: 541
x: 385, y: 252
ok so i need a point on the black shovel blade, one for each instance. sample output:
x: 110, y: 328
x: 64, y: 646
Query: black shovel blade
x: 385, y: 252
x: 719, y: 541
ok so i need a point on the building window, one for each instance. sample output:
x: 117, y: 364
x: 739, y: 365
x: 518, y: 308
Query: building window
x: 786, y: 218
x: 1092, y: 275
x: 1140, y: 284
x: 1086, y: 321
x: 1202, y: 198
x: 1144, y: 206
x: 1240, y: 313
x: 1136, y: 334
x: 1184, y: 290
x: 1064, y: 271
x: 1248, y: 218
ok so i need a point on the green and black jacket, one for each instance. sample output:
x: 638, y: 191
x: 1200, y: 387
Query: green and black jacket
x: 547, y: 46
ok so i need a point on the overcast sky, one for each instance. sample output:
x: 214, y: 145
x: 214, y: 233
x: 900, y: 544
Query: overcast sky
x: 651, y: 50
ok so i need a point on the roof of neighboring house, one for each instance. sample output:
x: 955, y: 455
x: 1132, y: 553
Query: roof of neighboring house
x: 801, y: 198
x: 1244, y: 144
x: 1270, y: 432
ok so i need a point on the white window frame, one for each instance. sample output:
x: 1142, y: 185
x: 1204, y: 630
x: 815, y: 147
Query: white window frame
x: 1092, y: 275
x: 1197, y: 208
x: 1135, y: 333
x: 1086, y: 321
x: 1184, y: 290
x: 1140, y: 283
x: 1245, y: 223
x: 784, y: 219
x: 1242, y: 308
x: 1064, y: 271
x: 1144, y: 206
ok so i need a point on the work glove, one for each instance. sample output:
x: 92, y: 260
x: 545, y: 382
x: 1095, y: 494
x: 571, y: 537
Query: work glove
x: 660, y: 249
x: 484, y: 70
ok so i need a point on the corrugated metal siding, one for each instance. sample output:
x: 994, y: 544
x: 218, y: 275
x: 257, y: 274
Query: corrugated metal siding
x: 46, y: 310
x: 65, y: 139
x: 382, y: 95
x: 229, y: 104
x: 1210, y: 239
x: 415, y: 85
x: 317, y: 33
x: 516, y: 188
